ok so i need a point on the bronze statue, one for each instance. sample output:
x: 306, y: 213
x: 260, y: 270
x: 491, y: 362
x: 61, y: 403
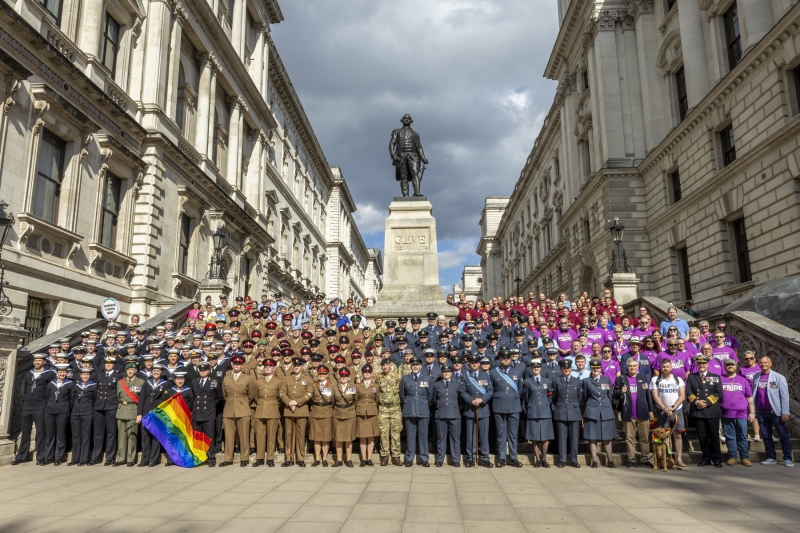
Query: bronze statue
x: 406, y: 151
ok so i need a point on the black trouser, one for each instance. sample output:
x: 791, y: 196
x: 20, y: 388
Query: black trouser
x: 105, y: 426
x: 208, y: 427
x: 483, y: 435
x: 218, y: 439
x: 81, y: 437
x: 151, y: 448
x: 708, y: 433
x: 55, y: 428
x: 568, y: 431
x: 29, y: 420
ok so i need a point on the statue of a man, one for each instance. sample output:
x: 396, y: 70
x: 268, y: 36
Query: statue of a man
x: 406, y: 151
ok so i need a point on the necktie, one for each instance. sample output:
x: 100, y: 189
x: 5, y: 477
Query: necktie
x: 203, y: 383
x: 446, y: 385
x: 415, y: 378
x: 475, y: 376
x: 537, y: 381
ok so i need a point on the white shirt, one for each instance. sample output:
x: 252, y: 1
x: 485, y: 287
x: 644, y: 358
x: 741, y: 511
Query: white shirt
x: 668, y: 389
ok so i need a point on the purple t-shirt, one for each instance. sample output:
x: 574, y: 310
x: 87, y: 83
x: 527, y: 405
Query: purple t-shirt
x: 679, y: 364
x: 618, y: 348
x: 597, y: 334
x: 749, y: 372
x: 724, y: 352
x: 762, y: 397
x: 610, y: 368
x: 735, y: 392
x: 564, y: 338
x: 633, y: 387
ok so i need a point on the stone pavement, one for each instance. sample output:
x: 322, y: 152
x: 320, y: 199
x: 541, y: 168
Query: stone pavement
x: 397, y: 499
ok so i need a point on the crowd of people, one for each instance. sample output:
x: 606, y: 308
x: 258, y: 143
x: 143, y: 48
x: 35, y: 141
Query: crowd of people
x: 295, y: 377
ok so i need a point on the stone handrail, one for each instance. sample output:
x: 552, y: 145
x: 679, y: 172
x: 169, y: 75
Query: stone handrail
x: 657, y: 309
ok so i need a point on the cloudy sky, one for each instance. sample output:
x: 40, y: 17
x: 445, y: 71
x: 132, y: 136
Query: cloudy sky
x: 468, y: 71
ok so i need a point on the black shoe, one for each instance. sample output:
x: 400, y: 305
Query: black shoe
x: 258, y: 463
x: 301, y: 464
x: 73, y: 463
x: 225, y: 463
x: 370, y: 463
x: 515, y: 464
x: 593, y: 465
x: 575, y: 465
x: 270, y: 464
x: 169, y: 463
x: 536, y: 463
x: 140, y: 465
x: 252, y: 451
x: 500, y: 463
x: 348, y: 464
x: 212, y: 462
x: 703, y: 463
x: 108, y: 463
x: 324, y: 463
x: 560, y: 464
x: 408, y: 464
x: 487, y: 463
x: 456, y: 465
x: 648, y: 464
x: 545, y: 464
x: 57, y: 463
x: 91, y: 463
x: 315, y: 463
x: 363, y: 464
x: 438, y: 464
x: 718, y: 465
x: 631, y: 464
x: 281, y: 450
x: 236, y: 450
x: 115, y: 464
x: 611, y: 464
x: 151, y: 465
x: 337, y: 464
x: 426, y: 464
x: 287, y: 463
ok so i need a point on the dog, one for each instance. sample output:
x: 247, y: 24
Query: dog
x: 659, y: 439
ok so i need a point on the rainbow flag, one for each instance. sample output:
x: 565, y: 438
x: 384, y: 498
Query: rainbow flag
x: 171, y: 424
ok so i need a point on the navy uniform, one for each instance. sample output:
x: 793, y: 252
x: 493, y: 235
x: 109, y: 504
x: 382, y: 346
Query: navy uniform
x: 184, y: 391
x: 506, y: 407
x: 567, y: 396
x: 448, y: 416
x: 207, y: 397
x: 537, y: 400
x: 416, y: 393
x: 34, y: 400
x: 153, y: 393
x: 705, y: 386
x: 81, y: 418
x: 599, y: 423
x: 477, y: 384
x: 105, y: 412
x: 56, y: 416
x: 219, y: 369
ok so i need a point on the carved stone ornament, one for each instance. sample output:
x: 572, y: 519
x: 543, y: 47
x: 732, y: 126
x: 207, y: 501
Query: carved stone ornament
x: 106, y: 153
x: 85, y: 148
x: 12, y: 92
x: 640, y: 7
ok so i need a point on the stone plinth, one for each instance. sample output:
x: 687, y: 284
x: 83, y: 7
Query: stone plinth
x: 410, y: 263
x: 11, y: 336
x: 624, y: 287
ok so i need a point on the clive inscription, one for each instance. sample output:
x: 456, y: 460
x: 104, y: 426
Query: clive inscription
x: 410, y: 239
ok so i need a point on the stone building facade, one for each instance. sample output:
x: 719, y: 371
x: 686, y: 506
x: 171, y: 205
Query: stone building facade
x: 682, y: 119
x: 132, y: 132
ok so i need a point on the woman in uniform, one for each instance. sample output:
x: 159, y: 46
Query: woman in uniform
x: 81, y: 416
x: 598, y: 415
x: 321, y: 419
x: 344, y: 417
x: 56, y: 415
x: 367, y: 426
x: 537, y: 397
x: 172, y: 364
x: 267, y: 414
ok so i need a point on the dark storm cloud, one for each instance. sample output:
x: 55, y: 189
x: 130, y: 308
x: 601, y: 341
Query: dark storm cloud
x: 470, y: 74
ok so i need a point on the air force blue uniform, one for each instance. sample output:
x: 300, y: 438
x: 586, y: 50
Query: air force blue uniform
x: 416, y: 393
x: 506, y: 407
x: 476, y: 385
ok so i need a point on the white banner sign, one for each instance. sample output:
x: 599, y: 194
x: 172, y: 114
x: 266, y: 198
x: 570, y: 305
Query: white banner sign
x: 110, y: 309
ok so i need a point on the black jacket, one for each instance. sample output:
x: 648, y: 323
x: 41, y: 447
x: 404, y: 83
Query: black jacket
x: 59, y: 399
x: 83, y: 399
x: 34, y: 390
x: 623, y: 401
x: 106, y: 396
x: 709, y: 390
x: 206, y: 399
x: 152, y: 395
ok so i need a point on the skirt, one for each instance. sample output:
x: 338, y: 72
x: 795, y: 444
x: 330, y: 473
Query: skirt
x: 320, y: 429
x: 344, y: 430
x: 599, y: 429
x: 539, y: 429
x: 367, y: 426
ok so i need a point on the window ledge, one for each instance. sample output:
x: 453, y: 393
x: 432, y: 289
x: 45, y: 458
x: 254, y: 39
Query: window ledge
x: 739, y: 287
x: 38, y: 235
x: 110, y: 259
x: 184, y: 285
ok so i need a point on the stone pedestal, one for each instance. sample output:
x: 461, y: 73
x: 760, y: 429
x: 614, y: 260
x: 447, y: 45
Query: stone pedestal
x: 11, y: 337
x: 410, y: 264
x: 624, y: 287
x: 213, y: 288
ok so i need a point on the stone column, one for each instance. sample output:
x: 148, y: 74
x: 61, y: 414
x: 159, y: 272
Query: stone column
x: 756, y: 18
x: 156, y: 54
x: 212, y: 107
x: 608, y: 90
x: 694, y: 50
x: 652, y: 96
x: 92, y: 20
x: 234, y: 142
x: 11, y: 337
x: 239, y: 27
x: 203, y: 103
x: 174, y: 61
x: 624, y: 287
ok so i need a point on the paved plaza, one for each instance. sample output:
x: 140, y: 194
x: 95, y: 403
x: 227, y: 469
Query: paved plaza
x: 397, y: 499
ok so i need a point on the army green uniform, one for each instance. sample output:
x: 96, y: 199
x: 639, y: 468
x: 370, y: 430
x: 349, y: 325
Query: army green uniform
x: 127, y: 428
x: 390, y: 414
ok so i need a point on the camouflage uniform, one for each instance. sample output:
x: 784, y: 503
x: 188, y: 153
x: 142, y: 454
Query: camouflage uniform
x: 404, y: 369
x: 390, y: 414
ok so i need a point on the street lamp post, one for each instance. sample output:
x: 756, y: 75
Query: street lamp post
x: 619, y: 260
x: 517, y: 280
x: 6, y: 221
x: 216, y: 271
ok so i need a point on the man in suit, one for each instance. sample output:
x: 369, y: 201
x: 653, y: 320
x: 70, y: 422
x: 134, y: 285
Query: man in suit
x: 406, y: 151
x: 567, y: 412
x: 416, y: 394
x: 448, y: 416
x: 207, y: 396
x: 506, y: 407
x: 476, y: 392
x: 704, y: 393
